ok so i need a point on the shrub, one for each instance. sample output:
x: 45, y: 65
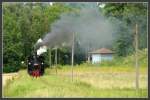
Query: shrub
x: 129, y: 60
x: 8, y: 69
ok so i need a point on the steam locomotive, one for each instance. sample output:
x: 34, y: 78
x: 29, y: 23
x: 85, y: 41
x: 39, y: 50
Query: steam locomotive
x: 35, y: 65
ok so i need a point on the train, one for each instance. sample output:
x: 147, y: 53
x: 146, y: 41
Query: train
x: 36, y: 66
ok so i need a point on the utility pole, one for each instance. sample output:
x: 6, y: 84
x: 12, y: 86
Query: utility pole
x: 88, y: 54
x: 50, y: 59
x: 56, y: 59
x: 59, y: 57
x: 72, y: 56
x: 136, y: 57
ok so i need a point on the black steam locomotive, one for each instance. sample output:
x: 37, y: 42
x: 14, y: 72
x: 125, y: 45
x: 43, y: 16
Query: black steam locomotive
x: 35, y: 65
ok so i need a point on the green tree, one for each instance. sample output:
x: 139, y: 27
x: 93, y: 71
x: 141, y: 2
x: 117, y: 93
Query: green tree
x: 23, y: 25
x: 127, y: 15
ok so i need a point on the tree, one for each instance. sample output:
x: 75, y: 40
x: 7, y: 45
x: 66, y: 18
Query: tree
x: 23, y: 25
x: 127, y: 14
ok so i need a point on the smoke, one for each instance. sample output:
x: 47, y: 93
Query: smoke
x: 91, y: 28
x: 42, y: 49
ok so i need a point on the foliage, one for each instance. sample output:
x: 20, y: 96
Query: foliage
x: 126, y: 16
x: 23, y: 25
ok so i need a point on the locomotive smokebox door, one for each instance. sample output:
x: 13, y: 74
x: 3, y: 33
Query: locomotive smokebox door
x: 35, y: 65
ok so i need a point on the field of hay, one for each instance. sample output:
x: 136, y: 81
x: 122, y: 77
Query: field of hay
x: 88, y: 81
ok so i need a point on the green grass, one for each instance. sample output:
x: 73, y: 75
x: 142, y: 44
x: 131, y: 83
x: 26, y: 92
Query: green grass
x: 88, y: 81
x: 108, y: 79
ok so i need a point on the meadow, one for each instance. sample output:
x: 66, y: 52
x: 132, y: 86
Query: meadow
x: 120, y: 26
x: 88, y: 81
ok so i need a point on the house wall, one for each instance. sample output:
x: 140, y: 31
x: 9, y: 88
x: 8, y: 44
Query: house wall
x: 96, y: 58
x: 106, y: 56
x: 100, y: 57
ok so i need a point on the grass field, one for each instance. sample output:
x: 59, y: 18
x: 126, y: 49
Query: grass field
x: 89, y: 81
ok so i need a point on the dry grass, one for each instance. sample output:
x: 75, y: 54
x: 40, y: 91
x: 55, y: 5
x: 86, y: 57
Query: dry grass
x: 108, y: 77
x: 7, y: 77
x: 87, y: 82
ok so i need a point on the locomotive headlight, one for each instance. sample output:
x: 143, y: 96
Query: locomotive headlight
x: 42, y: 63
x: 29, y: 63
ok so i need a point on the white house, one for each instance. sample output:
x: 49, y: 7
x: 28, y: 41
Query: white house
x: 100, y: 55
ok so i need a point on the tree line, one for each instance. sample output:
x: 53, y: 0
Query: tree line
x: 25, y: 23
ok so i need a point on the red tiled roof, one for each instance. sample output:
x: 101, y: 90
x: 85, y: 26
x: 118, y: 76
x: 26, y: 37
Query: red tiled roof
x: 102, y: 51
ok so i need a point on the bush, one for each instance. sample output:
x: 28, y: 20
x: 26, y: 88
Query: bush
x: 107, y: 63
x: 142, y: 58
x: 129, y: 60
x: 8, y: 69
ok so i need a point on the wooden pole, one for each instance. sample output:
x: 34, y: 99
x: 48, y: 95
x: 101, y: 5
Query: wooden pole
x: 136, y: 57
x: 50, y: 60
x: 56, y: 59
x: 88, y: 55
x: 59, y: 55
x: 72, y: 56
